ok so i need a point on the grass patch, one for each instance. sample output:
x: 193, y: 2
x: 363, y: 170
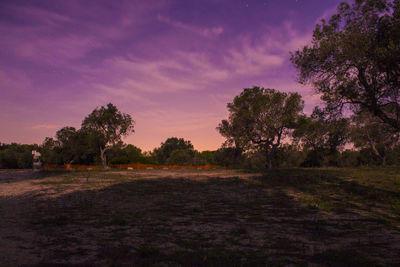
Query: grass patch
x: 375, y: 191
x: 316, y: 202
x: 62, y: 181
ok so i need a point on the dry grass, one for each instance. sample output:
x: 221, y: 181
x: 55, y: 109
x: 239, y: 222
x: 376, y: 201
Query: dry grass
x: 200, y: 218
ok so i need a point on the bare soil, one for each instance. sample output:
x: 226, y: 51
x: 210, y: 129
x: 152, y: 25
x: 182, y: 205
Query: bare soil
x: 183, y: 218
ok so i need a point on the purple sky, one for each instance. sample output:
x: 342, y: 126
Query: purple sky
x: 172, y: 65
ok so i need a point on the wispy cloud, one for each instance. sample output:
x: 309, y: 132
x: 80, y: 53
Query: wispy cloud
x: 256, y: 55
x: 252, y: 60
x: 183, y: 71
x: 38, y: 16
x: 47, y: 37
x: 203, y: 31
x: 122, y: 93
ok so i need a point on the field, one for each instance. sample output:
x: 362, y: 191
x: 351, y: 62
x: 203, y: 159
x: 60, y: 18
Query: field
x: 335, y: 217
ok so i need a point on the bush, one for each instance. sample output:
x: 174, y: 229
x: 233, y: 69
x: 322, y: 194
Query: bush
x: 181, y: 157
x: 349, y: 158
x: 16, y: 156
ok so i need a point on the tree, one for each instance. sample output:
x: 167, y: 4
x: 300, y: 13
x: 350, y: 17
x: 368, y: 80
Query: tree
x: 322, y: 136
x: 370, y: 133
x: 71, y: 146
x: 181, y: 157
x: 354, y: 60
x: 66, y: 141
x: 50, y: 150
x: 122, y: 154
x: 204, y: 157
x: 109, y: 125
x: 229, y: 157
x: 165, y: 151
x: 259, y: 119
x: 16, y: 156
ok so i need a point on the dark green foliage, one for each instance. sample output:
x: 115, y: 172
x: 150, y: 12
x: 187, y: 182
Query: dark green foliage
x: 51, y: 151
x: 354, y: 60
x: 259, y: 119
x: 181, y: 157
x: 202, y: 158
x: 121, y: 154
x: 315, y: 158
x: 108, y: 125
x: 322, y: 137
x: 349, y: 158
x: 229, y: 157
x: 369, y: 158
x: 255, y: 161
x: 101, y: 131
x: 289, y: 156
x: 16, y: 156
x: 369, y: 133
x: 206, y: 156
x: 71, y: 147
x: 393, y: 156
x: 175, y: 151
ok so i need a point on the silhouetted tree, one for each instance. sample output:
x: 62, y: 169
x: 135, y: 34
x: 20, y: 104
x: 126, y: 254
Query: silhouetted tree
x: 259, y: 119
x: 354, y: 59
x: 229, y: 157
x: 122, y: 154
x: 67, y: 143
x: 167, y: 149
x: 109, y: 125
x: 16, y: 156
x: 322, y: 136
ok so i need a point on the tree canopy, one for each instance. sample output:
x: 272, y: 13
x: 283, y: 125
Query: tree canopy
x: 322, y: 137
x: 260, y: 118
x: 110, y: 125
x: 354, y: 59
x: 175, y: 151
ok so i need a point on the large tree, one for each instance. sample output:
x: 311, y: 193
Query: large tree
x: 259, y: 119
x: 370, y: 133
x: 71, y: 146
x: 109, y: 125
x: 354, y: 59
x: 322, y: 137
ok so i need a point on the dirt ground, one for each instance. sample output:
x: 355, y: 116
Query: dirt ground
x: 179, y: 218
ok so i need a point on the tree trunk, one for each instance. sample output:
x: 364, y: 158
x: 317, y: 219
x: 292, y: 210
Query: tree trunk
x: 375, y: 150
x: 268, y: 159
x: 103, y: 157
x: 383, y: 160
x: 271, y: 155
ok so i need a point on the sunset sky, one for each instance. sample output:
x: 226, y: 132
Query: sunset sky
x: 172, y: 65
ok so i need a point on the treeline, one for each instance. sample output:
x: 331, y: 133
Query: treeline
x: 266, y: 128
x: 16, y: 156
x: 177, y: 151
x: 79, y: 150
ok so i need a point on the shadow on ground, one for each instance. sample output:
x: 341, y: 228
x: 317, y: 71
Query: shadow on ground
x: 14, y: 176
x: 210, y: 222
